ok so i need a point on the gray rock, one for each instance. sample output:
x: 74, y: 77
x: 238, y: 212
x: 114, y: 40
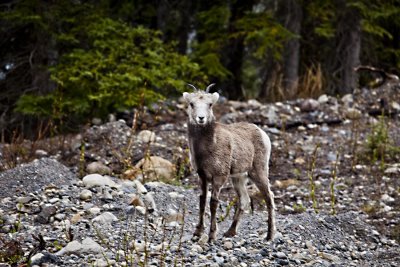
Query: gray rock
x: 96, y: 121
x: 98, y: 167
x: 34, y: 176
x: 45, y: 214
x: 25, y: 200
x: 352, y: 114
x: 281, y: 255
x: 270, y: 113
x: 309, y: 105
x: 87, y: 246
x: 330, y: 257
x: 60, y: 216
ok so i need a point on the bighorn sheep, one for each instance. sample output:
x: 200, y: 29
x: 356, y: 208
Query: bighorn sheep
x: 218, y: 151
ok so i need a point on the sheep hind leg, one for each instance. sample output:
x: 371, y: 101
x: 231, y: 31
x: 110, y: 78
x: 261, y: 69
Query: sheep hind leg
x: 239, y: 183
x: 260, y: 178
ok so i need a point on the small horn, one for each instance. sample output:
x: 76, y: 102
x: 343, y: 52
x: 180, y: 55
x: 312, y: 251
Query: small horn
x: 191, y: 85
x: 209, y: 87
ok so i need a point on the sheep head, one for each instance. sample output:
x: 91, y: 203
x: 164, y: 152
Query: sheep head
x: 200, y: 105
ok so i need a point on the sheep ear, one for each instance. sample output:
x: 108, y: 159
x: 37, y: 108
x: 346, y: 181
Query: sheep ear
x: 215, y: 97
x: 186, y: 96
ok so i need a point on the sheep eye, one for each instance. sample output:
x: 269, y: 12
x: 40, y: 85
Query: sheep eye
x: 191, y: 105
x: 210, y: 105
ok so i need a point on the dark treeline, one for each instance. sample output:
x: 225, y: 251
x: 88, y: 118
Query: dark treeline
x: 68, y: 60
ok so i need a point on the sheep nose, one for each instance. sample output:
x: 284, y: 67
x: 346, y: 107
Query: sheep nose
x: 201, y: 118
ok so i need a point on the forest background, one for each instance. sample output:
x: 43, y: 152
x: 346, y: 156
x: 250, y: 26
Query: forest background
x: 64, y: 62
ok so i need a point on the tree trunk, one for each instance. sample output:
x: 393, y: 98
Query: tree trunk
x: 233, y: 58
x: 186, y: 11
x: 281, y: 76
x: 291, y: 55
x: 347, y: 53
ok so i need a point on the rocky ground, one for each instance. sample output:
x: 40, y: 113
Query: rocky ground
x: 122, y: 193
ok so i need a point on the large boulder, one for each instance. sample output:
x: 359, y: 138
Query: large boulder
x: 155, y: 168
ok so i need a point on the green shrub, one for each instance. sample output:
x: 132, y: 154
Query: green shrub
x: 119, y: 67
x: 379, y: 145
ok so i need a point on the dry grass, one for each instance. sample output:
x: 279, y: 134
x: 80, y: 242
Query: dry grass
x: 311, y: 83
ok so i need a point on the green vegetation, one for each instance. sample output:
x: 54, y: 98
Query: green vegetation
x: 65, y: 62
x: 120, y: 67
x: 299, y: 208
x: 310, y: 173
x: 378, y: 144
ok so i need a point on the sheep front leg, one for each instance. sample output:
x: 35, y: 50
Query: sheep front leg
x: 216, y: 188
x: 202, y: 202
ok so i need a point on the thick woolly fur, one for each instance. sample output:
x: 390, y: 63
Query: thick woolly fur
x: 219, y: 151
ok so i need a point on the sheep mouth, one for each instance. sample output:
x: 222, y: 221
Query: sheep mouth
x: 202, y: 123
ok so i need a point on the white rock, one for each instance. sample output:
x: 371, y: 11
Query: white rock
x: 140, y: 187
x: 387, y: 198
x: 322, y: 99
x: 175, y: 195
x: 347, y: 99
x: 36, y: 257
x: 86, y: 194
x: 41, y: 153
x: 142, y: 210
x: 105, y: 218
x: 395, y: 106
x: 254, y: 103
x: 103, y: 263
x: 146, y: 136
x: 93, y: 180
x: 392, y: 170
x: 203, y: 239
x: 228, y: 245
x: 94, y: 210
x: 197, y: 248
x: 149, y: 202
x: 138, y: 246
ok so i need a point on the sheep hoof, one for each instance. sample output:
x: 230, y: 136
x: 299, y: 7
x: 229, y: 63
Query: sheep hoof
x: 270, y: 237
x: 230, y: 233
x: 211, y: 237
